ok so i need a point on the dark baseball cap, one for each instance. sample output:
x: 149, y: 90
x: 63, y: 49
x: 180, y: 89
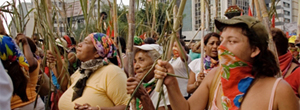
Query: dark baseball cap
x: 255, y: 26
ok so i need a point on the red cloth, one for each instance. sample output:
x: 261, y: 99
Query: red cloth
x: 69, y: 42
x: 294, y: 78
x: 236, y: 78
x: 249, y: 11
x: 285, y: 62
x: 287, y: 35
x: 273, y: 21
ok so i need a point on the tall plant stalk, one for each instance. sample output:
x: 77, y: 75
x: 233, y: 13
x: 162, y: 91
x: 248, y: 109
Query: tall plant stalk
x: 202, y: 33
x: 298, y: 30
x: 216, y: 12
x: 129, y: 50
x: 153, y: 17
x: 258, y: 16
x: 173, y: 37
x: 233, y: 2
x: 115, y: 20
x: 266, y: 22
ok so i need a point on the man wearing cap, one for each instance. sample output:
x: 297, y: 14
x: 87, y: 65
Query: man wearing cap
x: 243, y: 80
x: 146, y: 97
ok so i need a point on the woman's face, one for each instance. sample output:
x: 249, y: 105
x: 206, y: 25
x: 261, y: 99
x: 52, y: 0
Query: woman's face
x: 142, y: 64
x: 211, y: 48
x: 86, y: 50
x: 233, y: 39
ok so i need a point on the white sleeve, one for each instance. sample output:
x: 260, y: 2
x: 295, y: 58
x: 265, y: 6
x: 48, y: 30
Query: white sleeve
x: 195, y: 65
x: 6, y: 88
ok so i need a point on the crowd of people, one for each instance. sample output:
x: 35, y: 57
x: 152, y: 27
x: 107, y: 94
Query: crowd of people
x: 236, y: 71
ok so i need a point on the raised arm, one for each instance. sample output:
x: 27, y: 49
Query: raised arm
x: 192, y: 86
x: 198, y: 101
x: 27, y: 52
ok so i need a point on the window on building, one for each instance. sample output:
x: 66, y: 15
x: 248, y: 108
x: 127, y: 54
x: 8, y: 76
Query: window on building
x: 287, y: 5
x: 286, y: 12
x: 286, y: 20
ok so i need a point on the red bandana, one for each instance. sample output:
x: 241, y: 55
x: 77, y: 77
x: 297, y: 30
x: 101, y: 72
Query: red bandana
x: 236, y: 78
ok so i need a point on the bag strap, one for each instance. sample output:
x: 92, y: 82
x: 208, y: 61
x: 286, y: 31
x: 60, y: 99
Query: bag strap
x: 295, y: 69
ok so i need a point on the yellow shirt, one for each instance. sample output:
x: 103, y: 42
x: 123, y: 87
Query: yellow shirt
x: 30, y: 90
x: 106, y: 87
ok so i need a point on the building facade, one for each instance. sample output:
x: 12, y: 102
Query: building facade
x: 192, y: 15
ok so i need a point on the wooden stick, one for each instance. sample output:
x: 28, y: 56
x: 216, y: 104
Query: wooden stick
x: 258, y: 16
x: 176, y: 25
x: 194, y: 37
x: 202, y: 34
x: 233, y: 2
x: 266, y: 21
x: 173, y: 37
x: 115, y: 21
x: 216, y: 7
x: 298, y: 30
x: 129, y: 50
x: 153, y: 18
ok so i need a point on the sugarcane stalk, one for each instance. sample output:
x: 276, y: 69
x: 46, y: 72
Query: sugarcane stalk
x: 258, y: 16
x: 298, y: 30
x: 216, y: 12
x: 48, y: 17
x: 195, y: 36
x: 233, y: 2
x: 115, y: 21
x: 266, y: 22
x: 153, y: 17
x: 176, y: 26
x: 129, y: 50
x: 202, y: 33
x: 173, y: 37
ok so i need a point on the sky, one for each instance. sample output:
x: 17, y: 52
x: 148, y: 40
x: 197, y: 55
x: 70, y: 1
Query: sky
x: 125, y: 2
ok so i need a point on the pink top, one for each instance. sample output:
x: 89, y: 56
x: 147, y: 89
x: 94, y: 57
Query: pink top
x: 214, y: 106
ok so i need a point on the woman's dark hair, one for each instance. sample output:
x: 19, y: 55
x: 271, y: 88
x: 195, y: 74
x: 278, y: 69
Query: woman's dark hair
x: 18, y: 78
x: 61, y: 50
x: 73, y: 40
x: 280, y: 40
x: 32, y: 45
x: 209, y: 35
x: 123, y: 44
x: 184, y: 46
x: 114, y: 60
x: 264, y: 64
x: 149, y: 40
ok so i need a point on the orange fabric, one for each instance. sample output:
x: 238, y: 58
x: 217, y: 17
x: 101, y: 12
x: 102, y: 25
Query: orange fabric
x: 236, y: 78
x: 30, y: 90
